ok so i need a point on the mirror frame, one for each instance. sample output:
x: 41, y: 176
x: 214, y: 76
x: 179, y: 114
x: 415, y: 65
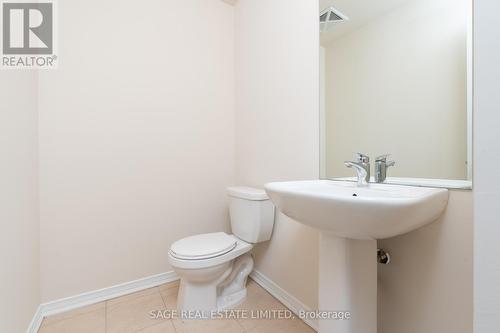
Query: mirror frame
x: 424, y: 182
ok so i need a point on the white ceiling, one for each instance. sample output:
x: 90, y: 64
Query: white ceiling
x: 359, y: 13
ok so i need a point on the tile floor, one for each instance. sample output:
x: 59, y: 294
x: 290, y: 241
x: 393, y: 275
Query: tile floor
x: 131, y: 314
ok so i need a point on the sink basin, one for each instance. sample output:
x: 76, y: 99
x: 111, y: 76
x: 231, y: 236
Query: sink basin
x: 343, y: 209
x: 351, y: 219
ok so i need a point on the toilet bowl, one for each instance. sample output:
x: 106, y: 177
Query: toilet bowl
x: 214, y: 267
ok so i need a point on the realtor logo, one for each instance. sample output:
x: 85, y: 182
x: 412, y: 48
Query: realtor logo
x: 28, y: 34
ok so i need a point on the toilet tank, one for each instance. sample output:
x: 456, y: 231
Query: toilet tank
x: 252, y: 214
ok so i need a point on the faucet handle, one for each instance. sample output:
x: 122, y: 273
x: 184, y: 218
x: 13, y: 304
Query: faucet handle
x: 362, y: 158
x: 382, y: 158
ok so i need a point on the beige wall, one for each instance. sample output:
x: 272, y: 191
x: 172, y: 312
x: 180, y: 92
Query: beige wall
x: 429, y: 266
x: 134, y: 155
x: 277, y: 125
x: 428, y: 284
x: 136, y: 138
x: 19, y: 235
x: 398, y: 85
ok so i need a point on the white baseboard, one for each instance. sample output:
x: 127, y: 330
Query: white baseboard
x: 283, y: 296
x: 101, y: 295
x: 96, y: 296
x: 36, y: 321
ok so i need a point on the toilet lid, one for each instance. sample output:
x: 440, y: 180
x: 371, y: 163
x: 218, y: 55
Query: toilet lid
x: 203, y: 246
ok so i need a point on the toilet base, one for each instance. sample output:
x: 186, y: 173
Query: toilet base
x: 214, y: 289
x: 231, y: 301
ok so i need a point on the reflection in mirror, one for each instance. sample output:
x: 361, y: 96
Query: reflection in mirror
x: 396, y: 79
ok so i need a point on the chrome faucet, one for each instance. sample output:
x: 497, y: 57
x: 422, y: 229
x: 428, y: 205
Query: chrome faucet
x: 362, y: 167
x: 381, y: 166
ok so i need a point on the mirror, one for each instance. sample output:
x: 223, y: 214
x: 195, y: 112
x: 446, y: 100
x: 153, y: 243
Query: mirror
x: 396, y: 78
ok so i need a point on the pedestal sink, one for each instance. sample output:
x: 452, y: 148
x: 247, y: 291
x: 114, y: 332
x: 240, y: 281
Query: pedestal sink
x: 351, y: 219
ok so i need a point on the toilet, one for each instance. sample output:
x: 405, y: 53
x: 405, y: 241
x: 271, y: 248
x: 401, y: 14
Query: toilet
x: 214, y: 267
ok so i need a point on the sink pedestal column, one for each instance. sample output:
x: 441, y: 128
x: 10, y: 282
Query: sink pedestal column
x: 348, y: 282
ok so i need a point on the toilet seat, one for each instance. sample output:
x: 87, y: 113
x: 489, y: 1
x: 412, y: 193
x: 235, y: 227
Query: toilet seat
x: 203, y: 246
x: 240, y: 248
